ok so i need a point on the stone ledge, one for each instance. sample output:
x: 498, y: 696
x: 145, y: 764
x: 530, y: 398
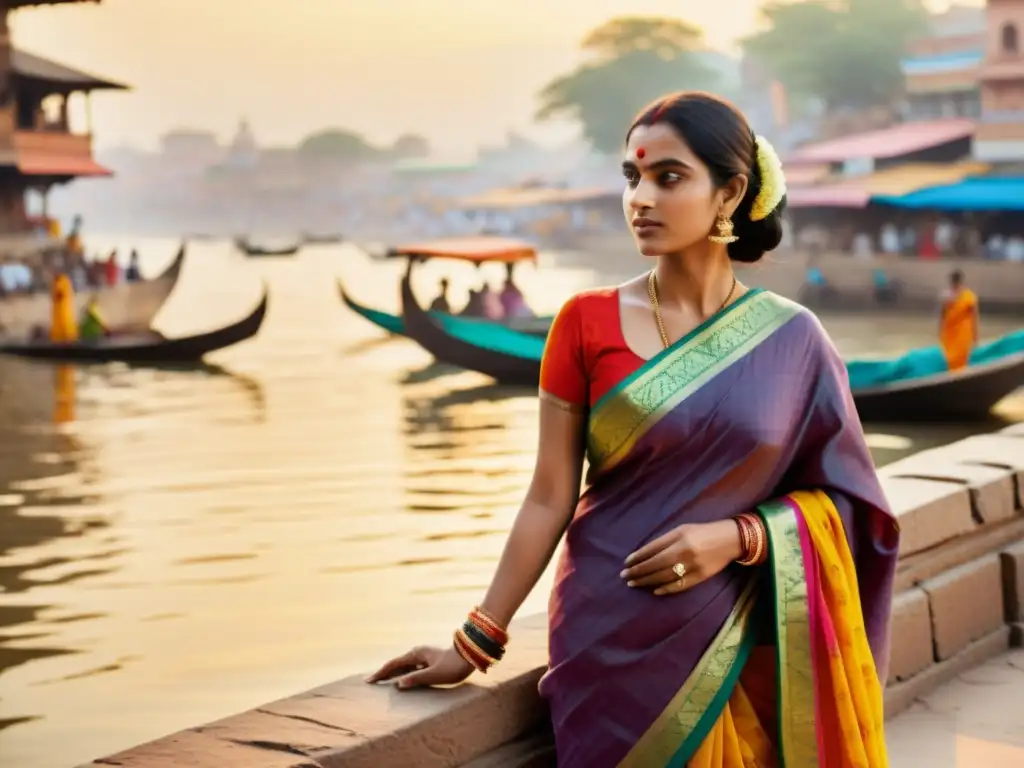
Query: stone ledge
x: 1012, y: 559
x: 930, y: 512
x: 966, y: 604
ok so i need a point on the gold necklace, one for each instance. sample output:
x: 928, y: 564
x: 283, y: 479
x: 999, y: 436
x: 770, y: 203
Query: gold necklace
x: 652, y: 294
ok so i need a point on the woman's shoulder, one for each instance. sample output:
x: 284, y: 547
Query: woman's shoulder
x: 591, y: 301
x: 802, y: 322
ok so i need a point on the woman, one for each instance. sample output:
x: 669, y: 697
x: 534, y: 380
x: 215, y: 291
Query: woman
x: 722, y: 598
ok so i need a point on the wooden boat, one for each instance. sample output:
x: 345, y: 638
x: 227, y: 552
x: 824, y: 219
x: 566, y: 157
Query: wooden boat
x: 997, y: 370
x: 150, y: 347
x: 393, y: 324
x: 127, y: 306
x: 453, y: 346
x: 315, y: 239
x: 256, y: 251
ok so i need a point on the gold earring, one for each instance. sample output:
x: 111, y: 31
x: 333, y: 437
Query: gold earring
x: 724, y: 235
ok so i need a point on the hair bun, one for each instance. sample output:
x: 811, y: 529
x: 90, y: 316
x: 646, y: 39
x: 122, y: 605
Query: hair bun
x: 756, y: 238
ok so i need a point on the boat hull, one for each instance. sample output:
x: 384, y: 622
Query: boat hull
x: 146, y: 347
x: 128, y: 307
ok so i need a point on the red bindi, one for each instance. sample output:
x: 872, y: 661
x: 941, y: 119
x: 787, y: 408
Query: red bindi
x: 640, y: 153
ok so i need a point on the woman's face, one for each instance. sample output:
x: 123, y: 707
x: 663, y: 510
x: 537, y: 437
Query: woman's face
x: 670, y: 201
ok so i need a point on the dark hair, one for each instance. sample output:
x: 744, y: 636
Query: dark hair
x: 956, y: 277
x: 718, y: 134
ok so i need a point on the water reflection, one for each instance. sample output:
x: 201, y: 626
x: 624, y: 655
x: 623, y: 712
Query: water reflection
x: 179, y: 544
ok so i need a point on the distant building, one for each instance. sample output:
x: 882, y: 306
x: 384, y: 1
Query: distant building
x: 942, y: 69
x: 38, y: 147
x: 191, y: 149
x: 1000, y: 134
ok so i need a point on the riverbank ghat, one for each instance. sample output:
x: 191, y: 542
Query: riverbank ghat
x: 960, y: 601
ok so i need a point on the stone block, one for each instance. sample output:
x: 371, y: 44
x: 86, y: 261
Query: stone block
x: 1012, y: 560
x: 1014, y: 430
x: 996, y: 450
x: 912, y: 646
x: 966, y: 604
x: 993, y: 490
x: 929, y: 512
x: 200, y: 750
x: 912, y: 570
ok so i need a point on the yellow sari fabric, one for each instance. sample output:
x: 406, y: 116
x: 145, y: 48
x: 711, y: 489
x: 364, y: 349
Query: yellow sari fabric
x: 956, y: 332
x: 63, y: 325
x: 847, y: 699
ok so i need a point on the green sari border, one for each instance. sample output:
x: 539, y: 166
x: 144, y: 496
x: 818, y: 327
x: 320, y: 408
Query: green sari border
x: 671, y: 349
x: 685, y: 723
x: 638, y: 403
x: 797, y: 736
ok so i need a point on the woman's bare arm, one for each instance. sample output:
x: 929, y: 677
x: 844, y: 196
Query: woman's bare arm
x: 545, y: 513
x: 543, y: 517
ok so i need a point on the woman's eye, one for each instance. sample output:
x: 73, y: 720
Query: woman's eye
x: 632, y: 178
x: 671, y: 178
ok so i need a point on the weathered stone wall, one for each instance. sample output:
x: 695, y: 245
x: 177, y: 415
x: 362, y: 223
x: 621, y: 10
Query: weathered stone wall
x: 960, y: 600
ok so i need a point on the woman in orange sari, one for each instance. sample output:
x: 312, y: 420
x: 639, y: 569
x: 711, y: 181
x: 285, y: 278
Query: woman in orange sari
x: 958, y: 327
x: 723, y: 593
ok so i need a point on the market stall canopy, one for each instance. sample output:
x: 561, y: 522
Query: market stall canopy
x: 897, y: 181
x: 476, y: 250
x: 895, y: 141
x: 990, y: 193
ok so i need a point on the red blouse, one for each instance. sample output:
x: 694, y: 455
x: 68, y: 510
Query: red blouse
x: 586, y: 354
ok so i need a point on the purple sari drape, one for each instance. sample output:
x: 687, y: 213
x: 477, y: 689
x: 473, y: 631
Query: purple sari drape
x: 765, y: 409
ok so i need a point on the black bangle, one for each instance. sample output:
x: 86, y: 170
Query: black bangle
x: 480, y: 638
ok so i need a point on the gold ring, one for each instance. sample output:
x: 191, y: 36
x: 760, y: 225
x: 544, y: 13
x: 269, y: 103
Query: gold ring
x: 679, y: 570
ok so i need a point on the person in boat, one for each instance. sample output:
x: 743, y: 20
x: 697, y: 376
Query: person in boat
x: 111, y: 269
x: 512, y: 300
x: 63, y: 327
x: 440, y: 304
x: 490, y: 303
x: 475, y: 303
x: 133, y: 274
x: 92, y: 327
x: 724, y: 589
x: 958, y: 324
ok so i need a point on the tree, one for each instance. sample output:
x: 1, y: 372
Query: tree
x: 336, y: 146
x: 410, y: 146
x: 845, y: 52
x: 634, y: 60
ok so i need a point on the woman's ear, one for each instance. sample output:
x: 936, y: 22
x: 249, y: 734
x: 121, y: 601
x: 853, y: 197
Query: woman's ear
x: 733, y: 193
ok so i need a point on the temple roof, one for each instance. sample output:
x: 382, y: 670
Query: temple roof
x: 60, y: 77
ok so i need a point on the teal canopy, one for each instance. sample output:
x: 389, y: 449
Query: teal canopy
x: 990, y: 193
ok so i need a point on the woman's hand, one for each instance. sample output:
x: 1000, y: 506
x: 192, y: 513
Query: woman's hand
x: 424, y: 666
x: 702, y: 549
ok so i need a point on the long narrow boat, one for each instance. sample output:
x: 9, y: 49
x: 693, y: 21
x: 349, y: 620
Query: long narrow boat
x: 150, y: 347
x: 536, y: 326
x: 913, y: 391
x: 508, y: 356
x: 254, y: 251
x: 128, y: 306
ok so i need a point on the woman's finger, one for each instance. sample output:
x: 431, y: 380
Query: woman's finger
x: 397, y: 665
x: 419, y: 678
x: 679, y: 585
x: 666, y: 558
x: 650, y: 549
x: 656, y: 579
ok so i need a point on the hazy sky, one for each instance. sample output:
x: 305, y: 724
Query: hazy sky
x: 458, y: 71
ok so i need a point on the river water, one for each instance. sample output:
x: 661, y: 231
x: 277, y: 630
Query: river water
x: 176, y: 546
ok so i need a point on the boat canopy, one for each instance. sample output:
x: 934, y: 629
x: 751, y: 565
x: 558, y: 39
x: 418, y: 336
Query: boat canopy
x: 476, y: 250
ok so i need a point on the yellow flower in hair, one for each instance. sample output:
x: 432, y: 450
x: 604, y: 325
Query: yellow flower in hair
x: 773, y: 180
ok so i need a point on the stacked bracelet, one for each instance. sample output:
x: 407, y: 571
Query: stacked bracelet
x: 754, y: 539
x: 481, y: 640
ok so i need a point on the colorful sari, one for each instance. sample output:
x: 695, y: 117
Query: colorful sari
x: 770, y: 666
x: 957, y: 332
